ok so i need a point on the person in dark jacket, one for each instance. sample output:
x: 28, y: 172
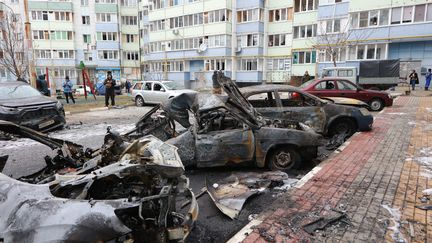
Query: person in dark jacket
x: 109, y: 89
x: 306, y: 77
x: 128, y: 86
x: 216, y: 86
x: 42, y: 85
x: 413, y: 79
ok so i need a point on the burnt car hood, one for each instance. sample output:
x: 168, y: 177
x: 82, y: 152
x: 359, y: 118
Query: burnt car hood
x: 33, y: 101
x: 178, y: 108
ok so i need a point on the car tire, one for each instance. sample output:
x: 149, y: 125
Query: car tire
x: 284, y: 159
x: 139, y: 101
x: 342, y: 126
x: 376, y: 104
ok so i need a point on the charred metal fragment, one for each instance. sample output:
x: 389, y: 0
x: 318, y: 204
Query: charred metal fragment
x: 230, y: 194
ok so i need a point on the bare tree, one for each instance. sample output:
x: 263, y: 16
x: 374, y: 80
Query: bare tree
x: 12, y: 46
x: 332, y: 42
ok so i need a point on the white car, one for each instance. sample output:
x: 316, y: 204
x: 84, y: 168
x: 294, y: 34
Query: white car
x: 79, y: 89
x: 155, y: 92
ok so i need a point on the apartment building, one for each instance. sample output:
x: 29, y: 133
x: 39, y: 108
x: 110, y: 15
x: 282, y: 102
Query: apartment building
x: 377, y: 30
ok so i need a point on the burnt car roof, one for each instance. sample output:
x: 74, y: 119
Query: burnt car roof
x: 267, y: 88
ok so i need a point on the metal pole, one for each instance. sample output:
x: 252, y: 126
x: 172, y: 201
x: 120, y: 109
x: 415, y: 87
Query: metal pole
x: 29, y: 44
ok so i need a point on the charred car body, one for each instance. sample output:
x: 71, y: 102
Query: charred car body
x: 228, y: 131
x: 122, y: 190
x: 24, y: 105
x: 285, y: 103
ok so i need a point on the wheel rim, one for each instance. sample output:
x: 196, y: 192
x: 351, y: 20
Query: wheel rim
x: 375, y: 105
x: 140, y: 101
x: 283, y: 160
x: 342, y: 128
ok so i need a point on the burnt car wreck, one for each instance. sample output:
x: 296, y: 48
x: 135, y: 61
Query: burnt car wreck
x: 227, y: 130
x: 124, y: 190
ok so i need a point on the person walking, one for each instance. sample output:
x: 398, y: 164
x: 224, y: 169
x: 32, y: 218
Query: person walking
x: 413, y: 79
x: 67, y: 89
x: 109, y: 89
x: 428, y: 79
x: 42, y: 85
x: 306, y: 77
x: 128, y: 86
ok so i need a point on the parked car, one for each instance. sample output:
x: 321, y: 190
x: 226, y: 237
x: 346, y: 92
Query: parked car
x: 332, y: 87
x: 287, y: 103
x: 155, y: 92
x: 24, y: 105
x: 100, y: 89
x: 78, y: 89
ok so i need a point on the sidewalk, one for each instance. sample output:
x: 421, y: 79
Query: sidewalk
x: 377, y: 180
x: 83, y: 105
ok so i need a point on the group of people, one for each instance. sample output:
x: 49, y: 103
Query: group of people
x: 109, y: 84
x: 414, y: 79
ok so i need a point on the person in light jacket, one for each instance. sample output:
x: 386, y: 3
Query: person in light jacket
x: 67, y: 89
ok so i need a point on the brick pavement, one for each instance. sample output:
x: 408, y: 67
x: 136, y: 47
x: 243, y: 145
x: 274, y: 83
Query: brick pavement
x: 378, y: 179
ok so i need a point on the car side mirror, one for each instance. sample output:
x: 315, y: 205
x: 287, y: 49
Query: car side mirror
x: 162, y: 90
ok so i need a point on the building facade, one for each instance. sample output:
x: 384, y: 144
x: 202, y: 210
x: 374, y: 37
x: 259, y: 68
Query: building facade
x: 252, y: 41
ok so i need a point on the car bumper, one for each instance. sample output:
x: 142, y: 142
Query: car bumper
x: 365, y: 123
x: 44, y: 123
x: 389, y: 102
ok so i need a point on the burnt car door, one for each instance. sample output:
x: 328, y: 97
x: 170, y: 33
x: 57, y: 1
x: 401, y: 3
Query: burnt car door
x: 226, y: 142
x: 300, y: 107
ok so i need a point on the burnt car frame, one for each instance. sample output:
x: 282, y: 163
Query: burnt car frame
x: 24, y: 105
x: 286, y: 103
x: 228, y: 131
x: 129, y: 193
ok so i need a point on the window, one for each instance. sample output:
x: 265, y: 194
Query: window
x: 108, y: 55
x: 39, y: 15
x: 305, y: 5
x: 384, y: 17
x: 84, y: 3
x: 277, y: 40
x: 360, y: 52
x: 342, y: 85
x: 88, y: 56
x: 107, y: 36
x: 380, y: 51
x: 63, y: 54
x: 295, y: 99
x: 278, y: 15
x: 85, y: 20
x: 429, y: 12
x: 215, y: 65
x: 247, y: 64
x: 43, y: 54
x: 363, y: 19
x: 128, y: 3
x: 262, y: 100
x: 304, y: 57
x: 248, y: 15
x: 131, y: 55
x: 304, y: 31
x: 217, y: 16
x: 370, y: 54
x: 373, y: 18
x: 354, y: 20
x: 332, y: 26
x: 130, y: 38
x: 106, y: 1
x: 248, y: 40
x: 62, y: 16
x: 420, y: 11
x: 105, y: 17
x: 87, y: 39
x: 129, y: 20
x: 396, y: 15
x: 279, y: 64
x: 408, y: 14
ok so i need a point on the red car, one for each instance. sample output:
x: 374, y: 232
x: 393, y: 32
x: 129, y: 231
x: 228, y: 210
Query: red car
x: 331, y: 87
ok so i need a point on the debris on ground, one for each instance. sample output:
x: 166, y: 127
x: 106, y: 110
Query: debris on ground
x: 395, y: 217
x: 231, y: 193
x: 323, y: 222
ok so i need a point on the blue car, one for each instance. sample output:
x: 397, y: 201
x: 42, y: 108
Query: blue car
x: 100, y: 89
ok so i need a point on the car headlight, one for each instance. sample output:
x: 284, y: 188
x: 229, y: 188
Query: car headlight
x: 59, y: 105
x: 4, y: 109
x: 364, y: 112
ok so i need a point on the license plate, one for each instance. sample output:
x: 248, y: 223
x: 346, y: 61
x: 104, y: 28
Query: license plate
x: 46, y: 123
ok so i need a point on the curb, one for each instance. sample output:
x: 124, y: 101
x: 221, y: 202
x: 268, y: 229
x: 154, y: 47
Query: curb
x: 68, y: 113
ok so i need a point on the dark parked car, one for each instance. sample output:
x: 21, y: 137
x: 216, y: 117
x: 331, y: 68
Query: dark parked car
x: 332, y: 87
x: 24, y: 105
x: 287, y: 103
x: 100, y: 88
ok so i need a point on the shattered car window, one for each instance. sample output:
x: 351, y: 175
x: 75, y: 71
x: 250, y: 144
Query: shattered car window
x: 262, y: 100
x: 18, y: 92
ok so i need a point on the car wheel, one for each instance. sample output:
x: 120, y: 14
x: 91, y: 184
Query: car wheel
x: 139, y: 101
x: 376, y: 104
x: 284, y: 158
x: 342, y: 126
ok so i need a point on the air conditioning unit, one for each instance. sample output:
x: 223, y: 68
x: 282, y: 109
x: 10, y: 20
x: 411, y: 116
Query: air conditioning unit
x: 202, y: 48
x: 239, y: 49
x: 175, y: 31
